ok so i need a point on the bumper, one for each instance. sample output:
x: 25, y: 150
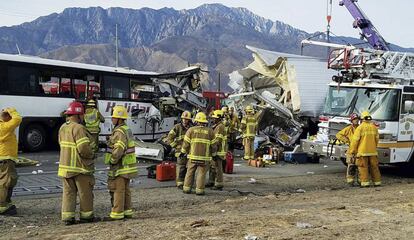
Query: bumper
x: 336, y: 152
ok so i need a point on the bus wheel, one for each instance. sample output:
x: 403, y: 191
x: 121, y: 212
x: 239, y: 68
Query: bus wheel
x: 34, y: 138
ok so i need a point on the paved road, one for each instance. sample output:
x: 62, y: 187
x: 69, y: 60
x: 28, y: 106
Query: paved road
x: 43, y: 179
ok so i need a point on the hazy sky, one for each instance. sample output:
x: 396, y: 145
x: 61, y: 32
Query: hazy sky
x: 392, y: 18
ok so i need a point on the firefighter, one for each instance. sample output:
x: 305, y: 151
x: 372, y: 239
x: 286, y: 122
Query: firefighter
x: 199, y: 147
x: 248, y: 128
x: 226, y: 118
x: 93, y: 118
x: 76, y: 166
x: 364, y: 147
x: 234, y: 126
x: 175, y: 139
x: 216, y: 168
x: 9, y: 121
x: 122, y: 165
x: 345, y: 136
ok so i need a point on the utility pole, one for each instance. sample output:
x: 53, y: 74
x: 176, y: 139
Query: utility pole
x: 219, y: 82
x: 116, y: 46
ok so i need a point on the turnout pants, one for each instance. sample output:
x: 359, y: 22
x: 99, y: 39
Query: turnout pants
x: 80, y: 184
x: 120, y: 197
x: 216, y: 173
x: 351, y: 170
x: 181, y: 170
x: 95, y: 141
x: 8, y: 180
x: 368, y: 170
x: 232, y: 140
x: 192, y: 169
x: 248, y: 144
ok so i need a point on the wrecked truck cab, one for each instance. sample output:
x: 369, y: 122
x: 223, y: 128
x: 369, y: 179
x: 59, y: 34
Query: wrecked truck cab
x: 288, y: 89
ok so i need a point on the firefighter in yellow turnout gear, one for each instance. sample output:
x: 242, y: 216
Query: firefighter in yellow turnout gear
x: 93, y: 118
x: 364, y: 147
x: 234, y: 126
x: 9, y: 121
x: 122, y: 165
x: 345, y: 136
x: 175, y: 138
x: 248, y: 128
x: 76, y: 166
x: 200, y: 148
x: 216, y: 167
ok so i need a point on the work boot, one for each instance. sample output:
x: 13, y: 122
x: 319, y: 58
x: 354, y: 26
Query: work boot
x: 69, y: 222
x: 11, y: 211
x: 180, y: 187
x: 187, y: 192
x: 89, y: 220
x: 109, y: 219
x: 200, y: 193
x: 209, y: 184
x: 217, y: 188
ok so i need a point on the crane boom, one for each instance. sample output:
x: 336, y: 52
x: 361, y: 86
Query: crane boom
x: 368, y: 31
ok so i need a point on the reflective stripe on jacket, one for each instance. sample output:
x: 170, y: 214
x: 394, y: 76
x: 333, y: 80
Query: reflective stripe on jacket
x: 365, y: 140
x: 248, y: 126
x: 227, y: 123
x: 93, y: 118
x: 8, y: 140
x: 120, y: 154
x: 220, y: 135
x: 76, y: 153
x: 199, y: 144
x: 176, y: 137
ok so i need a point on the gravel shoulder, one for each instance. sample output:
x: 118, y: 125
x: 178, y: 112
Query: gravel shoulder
x: 271, y: 208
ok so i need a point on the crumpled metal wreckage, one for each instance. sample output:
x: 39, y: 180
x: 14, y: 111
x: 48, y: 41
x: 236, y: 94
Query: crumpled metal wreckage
x: 287, y: 90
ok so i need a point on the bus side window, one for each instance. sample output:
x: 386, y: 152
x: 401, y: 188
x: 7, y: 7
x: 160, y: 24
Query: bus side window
x: 116, y: 87
x: 55, y: 83
x: 79, y: 87
x: 49, y: 85
x: 94, y: 86
x: 21, y: 80
x: 3, y: 79
x: 141, y: 90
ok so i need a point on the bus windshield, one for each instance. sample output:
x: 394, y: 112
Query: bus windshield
x: 383, y: 104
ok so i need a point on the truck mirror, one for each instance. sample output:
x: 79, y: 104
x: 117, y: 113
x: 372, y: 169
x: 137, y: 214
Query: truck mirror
x: 409, y: 106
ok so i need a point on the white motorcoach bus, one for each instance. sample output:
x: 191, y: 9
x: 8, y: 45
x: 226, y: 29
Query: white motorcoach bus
x: 41, y: 89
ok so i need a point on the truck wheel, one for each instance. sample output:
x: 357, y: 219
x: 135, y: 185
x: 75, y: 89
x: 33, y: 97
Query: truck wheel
x: 34, y: 138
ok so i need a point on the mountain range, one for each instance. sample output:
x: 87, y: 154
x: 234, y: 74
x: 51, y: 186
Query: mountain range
x: 163, y: 40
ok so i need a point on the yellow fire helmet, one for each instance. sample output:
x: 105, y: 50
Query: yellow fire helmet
x: 249, y: 108
x: 91, y: 103
x: 217, y: 114
x: 186, y: 115
x: 119, y: 112
x: 201, y: 118
x: 366, y: 115
x: 225, y: 109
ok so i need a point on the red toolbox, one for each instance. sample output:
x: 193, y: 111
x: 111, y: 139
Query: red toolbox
x: 229, y: 163
x: 165, y: 171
